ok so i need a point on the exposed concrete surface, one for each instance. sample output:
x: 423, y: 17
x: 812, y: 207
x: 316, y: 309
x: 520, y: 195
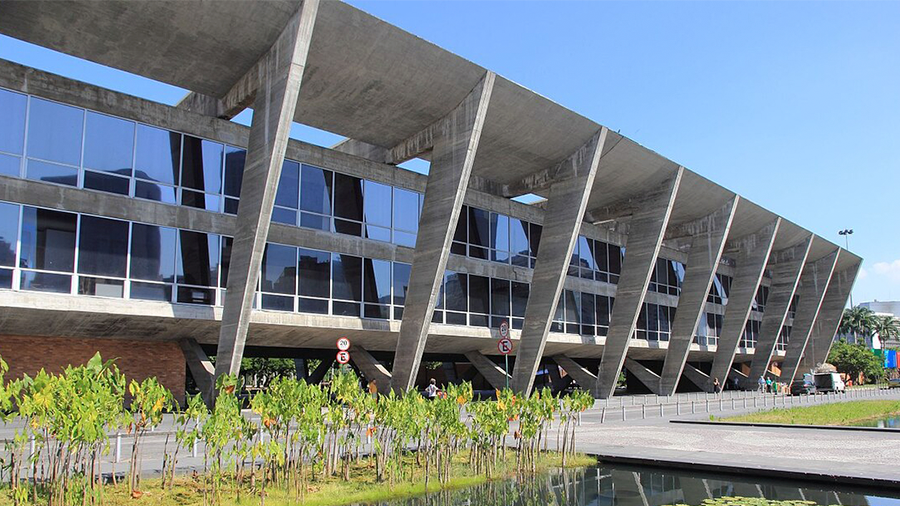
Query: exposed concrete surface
x: 829, y: 318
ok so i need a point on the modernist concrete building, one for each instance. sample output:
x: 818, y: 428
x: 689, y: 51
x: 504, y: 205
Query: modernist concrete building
x: 123, y: 221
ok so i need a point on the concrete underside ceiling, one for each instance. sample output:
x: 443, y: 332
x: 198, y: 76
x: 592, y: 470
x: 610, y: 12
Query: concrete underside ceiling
x: 365, y: 79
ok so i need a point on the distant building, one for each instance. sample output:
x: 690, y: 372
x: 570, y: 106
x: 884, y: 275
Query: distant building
x: 884, y: 308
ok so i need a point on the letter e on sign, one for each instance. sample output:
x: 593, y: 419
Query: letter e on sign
x: 343, y: 357
x: 505, y: 346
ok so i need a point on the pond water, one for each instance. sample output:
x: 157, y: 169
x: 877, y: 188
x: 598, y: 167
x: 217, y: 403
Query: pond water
x: 641, y: 486
x: 892, y: 422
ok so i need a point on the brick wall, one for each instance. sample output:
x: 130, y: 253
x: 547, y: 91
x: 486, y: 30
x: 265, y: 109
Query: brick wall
x: 136, y: 359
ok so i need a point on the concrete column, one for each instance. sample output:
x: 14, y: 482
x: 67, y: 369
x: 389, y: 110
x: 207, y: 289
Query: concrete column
x: 829, y: 318
x: 280, y: 73
x: 455, y: 142
x: 703, y: 260
x: 813, y: 286
x: 696, y: 376
x: 753, y: 256
x: 300, y: 371
x: 201, y: 367
x: 649, y: 378
x: 562, y: 222
x: 493, y: 373
x: 585, y: 378
x: 319, y: 373
x: 785, y: 277
x: 371, y: 369
x: 647, y: 228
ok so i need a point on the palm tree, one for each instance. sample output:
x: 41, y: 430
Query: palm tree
x: 858, y: 321
x: 887, y: 327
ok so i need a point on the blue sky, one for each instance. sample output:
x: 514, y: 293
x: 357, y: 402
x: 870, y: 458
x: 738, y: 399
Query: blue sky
x: 794, y: 105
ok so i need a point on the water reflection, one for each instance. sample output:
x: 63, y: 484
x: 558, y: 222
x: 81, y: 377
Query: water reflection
x: 634, y: 486
x: 882, y: 423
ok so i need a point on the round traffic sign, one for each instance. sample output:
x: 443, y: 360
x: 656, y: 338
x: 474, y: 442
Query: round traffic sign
x: 343, y: 357
x: 505, y: 346
x: 343, y: 344
x: 504, y: 329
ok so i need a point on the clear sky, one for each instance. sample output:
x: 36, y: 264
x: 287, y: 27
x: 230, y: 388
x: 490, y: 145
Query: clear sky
x: 795, y: 106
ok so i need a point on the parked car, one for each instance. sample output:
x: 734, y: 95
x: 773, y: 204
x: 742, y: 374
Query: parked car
x: 894, y: 383
x: 802, y: 387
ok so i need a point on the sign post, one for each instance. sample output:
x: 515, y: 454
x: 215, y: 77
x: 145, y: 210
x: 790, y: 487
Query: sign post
x: 343, y: 354
x: 505, y: 346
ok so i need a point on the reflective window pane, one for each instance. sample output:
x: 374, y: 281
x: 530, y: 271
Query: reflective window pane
x: 54, y: 132
x: 226, y: 260
x: 279, y: 269
x: 377, y: 203
x: 157, y: 154
x: 51, y: 173
x: 347, y: 277
x: 48, y: 240
x: 198, y: 260
x: 479, y: 227
x: 201, y: 164
x: 151, y: 291
x: 518, y: 241
x: 46, y: 282
x: 401, y: 282
x: 234, y: 170
x: 456, y: 291
x: 108, y: 144
x: 106, y: 182
x: 315, y: 189
x: 377, y: 282
x: 534, y: 238
x: 6, y: 276
x: 500, y: 297
x: 152, y: 253
x: 288, y: 185
x: 101, y: 287
x: 153, y: 191
x: 520, y: 293
x: 348, y: 199
x: 9, y: 233
x: 12, y: 122
x: 499, y: 232
x: 10, y: 165
x: 315, y: 273
x: 406, y: 210
x: 277, y: 302
x: 102, y: 246
x: 479, y: 294
x: 193, y: 295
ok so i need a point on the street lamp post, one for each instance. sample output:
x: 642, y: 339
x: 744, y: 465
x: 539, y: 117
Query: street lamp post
x: 847, y: 232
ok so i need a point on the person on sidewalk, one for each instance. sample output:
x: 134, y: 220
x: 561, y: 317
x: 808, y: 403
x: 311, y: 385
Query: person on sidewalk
x: 762, y: 385
x: 717, y: 387
x: 431, y: 390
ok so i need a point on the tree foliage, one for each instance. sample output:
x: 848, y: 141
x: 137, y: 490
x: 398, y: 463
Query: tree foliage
x: 856, y: 359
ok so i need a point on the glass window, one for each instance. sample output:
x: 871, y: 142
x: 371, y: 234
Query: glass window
x: 479, y: 294
x: 603, y: 310
x: 377, y: 283
x: 108, y: 144
x: 54, y: 132
x: 315, y: 190
x: 198, y: 260
x: 520, y: 293
x: 52, y: 173
x: 234, y: 170
x: 401, y: 282
x: 46, y: 282
x: 378, y: 204
x: 518, y: 242
x: 12, y: 127
x: 157, y: 154
x: 347, y: 277
x: 101, y: 287
x: 279, y: 269
x: 456, y: 290
x: 315, y: 273
x: 499, y: 232
x: 226, y: 260
x: 289, y: 185
x: 348, y: 198
x: 10, y: 165
x: 48, y: 240
x: 479, y: 227
x: 534, y: 238
x: 152, y: 253
x: 9, y: 233
x: 500, y: 297
x: 153, y: 191
x: 201, y: 165
x: 406, y: 210
x: 106, y: 182
x: 102, y: 246
x: 151, y: 291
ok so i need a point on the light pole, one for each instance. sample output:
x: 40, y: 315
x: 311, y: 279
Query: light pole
x: 847, y: 232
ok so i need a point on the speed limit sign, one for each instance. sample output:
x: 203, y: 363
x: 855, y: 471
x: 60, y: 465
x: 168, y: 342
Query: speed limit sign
x: 505, y: 346
x: 504, y: 329
x: 343, y: 357
x: 343, y: 344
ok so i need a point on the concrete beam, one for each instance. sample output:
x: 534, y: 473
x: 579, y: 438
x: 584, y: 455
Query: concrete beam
x: 649, y: 378
x: 813, y: 286
x: 316, y: 377
x: 453, y: 155
x: 493, y: 373
x: 201, y: 367
x: 703, y: 259
x: 562, y: 223
x: 829, y: 319
x: 750, y: 265
x: 280, y: 73
x: 697, y: 377
x: 300, y: 370
x: 785, y: 277
x: 585, y: 378
x: 648, y: 225
x: 370, y: 368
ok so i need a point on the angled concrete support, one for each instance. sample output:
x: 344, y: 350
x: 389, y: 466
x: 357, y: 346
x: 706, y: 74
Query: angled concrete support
x: 300, y: 371
x: 813, y: 286
x: 454, y: 142
x: 371, y: 369
x: 829, y: 318
x: 279, y: 76
x: 648, y: 226
x: 697, y: 377
x: 493, y: 373
x: 750, y: 264
x: 785, y: 276
x: 562, y: 222
x: 585, y: 378
x: 649, y: 378
x: 703, y: 260
x: 201, y: 367
x: 316, y: 377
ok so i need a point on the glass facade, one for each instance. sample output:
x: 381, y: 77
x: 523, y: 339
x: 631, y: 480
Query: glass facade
x: 759, y: 301
x: 709, y: 330
x: 667, y: 277
x: 784, y: 337
x: 719, y: 290
x: 654, y: 322
x: 750, y: 337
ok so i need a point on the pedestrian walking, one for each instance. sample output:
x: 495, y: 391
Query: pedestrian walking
x: 762, y: 385
x: 717, y: 387
x: 431, y: 391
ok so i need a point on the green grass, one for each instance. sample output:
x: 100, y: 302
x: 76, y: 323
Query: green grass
x: 333, y: 491
x: 751, y: 501
x: 840, y: 413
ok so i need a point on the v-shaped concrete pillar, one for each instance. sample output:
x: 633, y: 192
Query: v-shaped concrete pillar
x: 829, y: 319
x: 454, y: 141
x: 562, y: 222
x: 703, y: 259
x: 647, y: 228
x: 750, y: 265
x: 785, y: 277
x: 813, y: 286
x: 277, y: 87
